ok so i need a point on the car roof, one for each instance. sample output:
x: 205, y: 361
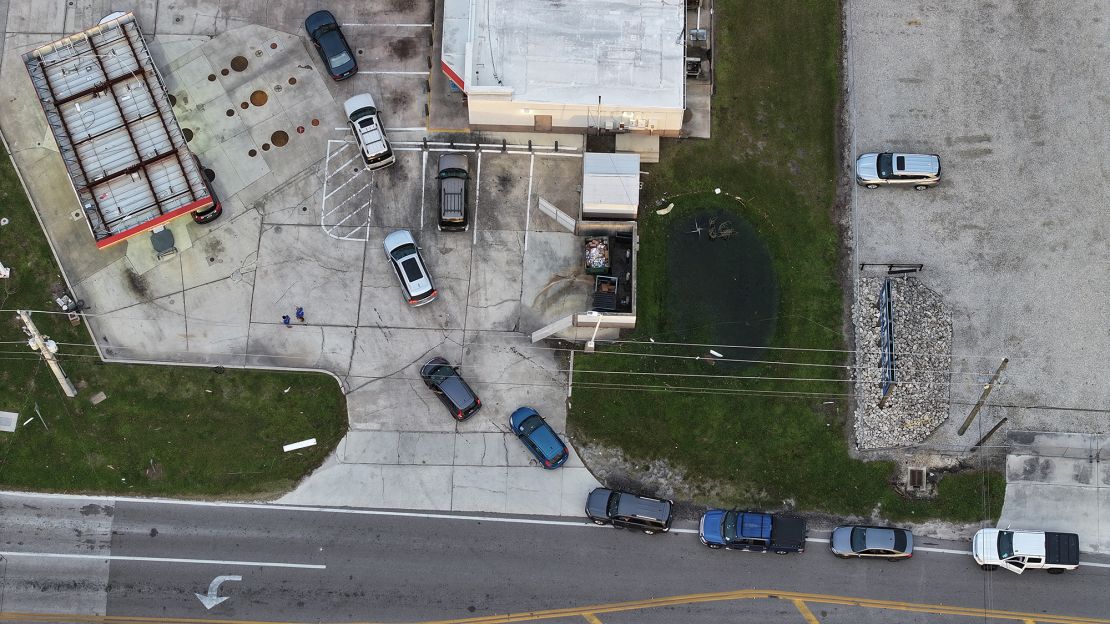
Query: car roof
x: 547, y: 441
x: 457, y: 390
x: 876, y: 537
x: 643, y: 507
x: 924, y: 164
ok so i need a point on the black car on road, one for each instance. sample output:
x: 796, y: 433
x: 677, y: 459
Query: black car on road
x: 629, y: 511
x: 329, y: 41
x: 449, y: 386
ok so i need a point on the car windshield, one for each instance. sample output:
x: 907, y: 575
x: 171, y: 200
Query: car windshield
x: 899, y: 541
x: 412, y: 269
x: 859, y: 539
x: 884, y: 165
x: 441, y: 373
x: 403, y: 251
x: 339, y: 60
x: 728, y: 525
x: 1005, y: 544
x: 611, y: 506
x: 452, y: 173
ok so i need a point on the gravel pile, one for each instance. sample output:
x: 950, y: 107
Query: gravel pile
x: 918, y: 403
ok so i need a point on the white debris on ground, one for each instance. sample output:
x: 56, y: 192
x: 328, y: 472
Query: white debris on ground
x: 918, y: 403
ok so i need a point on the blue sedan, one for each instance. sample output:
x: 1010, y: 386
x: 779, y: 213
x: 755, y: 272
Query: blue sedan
x: 539, y: 437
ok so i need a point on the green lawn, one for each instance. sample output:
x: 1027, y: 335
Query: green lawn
x: 758, y: 442
x: 162, y: 430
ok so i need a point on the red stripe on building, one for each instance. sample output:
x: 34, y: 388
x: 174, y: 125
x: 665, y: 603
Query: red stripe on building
x: 203, y: 202
x: 451, y: 75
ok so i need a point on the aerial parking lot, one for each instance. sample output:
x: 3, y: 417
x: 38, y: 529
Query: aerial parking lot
x: 302, y: 226
x: 1011, y: 96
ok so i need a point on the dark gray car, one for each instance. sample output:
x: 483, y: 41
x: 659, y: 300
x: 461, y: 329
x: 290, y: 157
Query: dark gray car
x: 629, y: 511
x: 449, y: 386
x: 454, y: 177
x: 871, y: 542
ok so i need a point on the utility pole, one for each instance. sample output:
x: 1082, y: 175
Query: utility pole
x: 983, y: 397
x: 46, y: 347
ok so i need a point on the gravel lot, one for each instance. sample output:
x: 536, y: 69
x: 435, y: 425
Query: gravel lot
x: 1013, y: 96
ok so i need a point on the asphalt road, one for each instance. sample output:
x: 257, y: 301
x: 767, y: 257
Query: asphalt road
x: 147, y: 559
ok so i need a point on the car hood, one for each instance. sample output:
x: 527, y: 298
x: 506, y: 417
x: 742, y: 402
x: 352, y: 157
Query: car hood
x: 314, y: 22
x: 362, y: 100
x: 867, y: 167
x: 598, y: 502
x: 841, y: 540
x: 984, y: 546
x: 710, y: 527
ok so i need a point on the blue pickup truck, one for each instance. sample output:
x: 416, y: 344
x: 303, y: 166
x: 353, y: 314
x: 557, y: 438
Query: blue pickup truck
x: 752, y: 530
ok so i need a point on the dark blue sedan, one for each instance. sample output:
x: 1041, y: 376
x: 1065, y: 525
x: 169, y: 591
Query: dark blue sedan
x: 539, y: 437
x: 329, y: 41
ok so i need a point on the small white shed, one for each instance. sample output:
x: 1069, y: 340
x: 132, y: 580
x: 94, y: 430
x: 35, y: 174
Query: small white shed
x: 610, y: 186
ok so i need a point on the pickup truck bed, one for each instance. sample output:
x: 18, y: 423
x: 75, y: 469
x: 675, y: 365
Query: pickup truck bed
x: 789, y: 532
x: 1061, y: 548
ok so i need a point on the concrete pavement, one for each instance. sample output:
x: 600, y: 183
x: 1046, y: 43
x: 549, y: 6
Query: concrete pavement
x: 303, y: 225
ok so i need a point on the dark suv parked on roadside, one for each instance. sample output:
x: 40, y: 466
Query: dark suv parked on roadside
x: 629, y: 511
x: 445, y: 381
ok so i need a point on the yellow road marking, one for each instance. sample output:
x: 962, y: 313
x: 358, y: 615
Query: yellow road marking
x: 798, y: 598
x: 806, y: 613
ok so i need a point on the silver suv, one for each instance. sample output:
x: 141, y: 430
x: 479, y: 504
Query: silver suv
x: 366, y: 124
x: 920, y: 170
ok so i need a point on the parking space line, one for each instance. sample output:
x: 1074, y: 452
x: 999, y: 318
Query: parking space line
x: 528, y: 206
x: 423, y: 183
x: 396, y: 73
x: 591, y: 618
x: 477, y: 194
x: 342, y: 166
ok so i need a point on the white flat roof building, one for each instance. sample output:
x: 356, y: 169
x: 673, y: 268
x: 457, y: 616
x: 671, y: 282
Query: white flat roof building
x: 561, y: 64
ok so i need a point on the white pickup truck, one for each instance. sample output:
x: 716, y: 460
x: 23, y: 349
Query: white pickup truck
x: 1018, y: 551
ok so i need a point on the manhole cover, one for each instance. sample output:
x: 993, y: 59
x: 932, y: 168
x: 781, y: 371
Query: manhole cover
x: 188, y: 134
x: 265, y: 147
x: 259, y: 98
x: 231, y: 112
x: 279, y: 138
x: 292, y: 81
x: 211, y: 77
x: 239, y: 63
x: 252, y: 153
x: 273, y: 46
x: 224, y: 72
x: 244, y: 105
x: 315, y: 122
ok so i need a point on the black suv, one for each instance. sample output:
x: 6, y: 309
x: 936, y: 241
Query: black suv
x: 449, y: 386
x: 629, y: 511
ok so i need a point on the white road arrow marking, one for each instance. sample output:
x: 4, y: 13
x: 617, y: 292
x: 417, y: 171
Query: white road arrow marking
x: 212, y: 599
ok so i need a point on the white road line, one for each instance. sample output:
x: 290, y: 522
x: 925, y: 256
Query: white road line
x: 423, y: 183
x: 396, y: 73
x: 413, y: 129
x: 367, y: 24
x: 355, y: 192
x: 528, y: 205
x: 264, y: 564
x: 477, y: 193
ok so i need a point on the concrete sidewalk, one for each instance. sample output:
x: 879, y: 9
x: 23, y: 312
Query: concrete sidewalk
x: 1060, y: 482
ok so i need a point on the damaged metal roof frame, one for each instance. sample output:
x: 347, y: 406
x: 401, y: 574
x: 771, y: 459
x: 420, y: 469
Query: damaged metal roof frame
x: 113, y: 121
